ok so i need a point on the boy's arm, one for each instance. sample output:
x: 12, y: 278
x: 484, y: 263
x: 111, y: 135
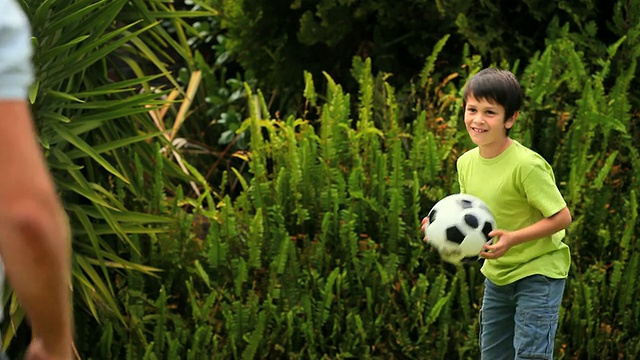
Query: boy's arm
x: 543, y: 228
x: 542, y: 193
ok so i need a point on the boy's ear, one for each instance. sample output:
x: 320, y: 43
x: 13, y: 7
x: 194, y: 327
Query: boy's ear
x: 509, y: 123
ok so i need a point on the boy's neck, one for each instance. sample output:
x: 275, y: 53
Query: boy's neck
x: 495, y: 148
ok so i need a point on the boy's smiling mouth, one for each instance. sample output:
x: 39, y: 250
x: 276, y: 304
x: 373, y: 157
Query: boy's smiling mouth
x: 478, y: 131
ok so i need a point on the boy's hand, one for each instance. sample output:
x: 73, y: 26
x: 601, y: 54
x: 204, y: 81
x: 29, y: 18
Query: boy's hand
x: 425, y: 223
x: 500, y: 247
x: 423, y: 227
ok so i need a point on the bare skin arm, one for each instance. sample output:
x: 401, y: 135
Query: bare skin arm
x: 34, y: 235
x: 542, y: 228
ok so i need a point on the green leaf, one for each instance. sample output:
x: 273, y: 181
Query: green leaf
x: 88, y: 150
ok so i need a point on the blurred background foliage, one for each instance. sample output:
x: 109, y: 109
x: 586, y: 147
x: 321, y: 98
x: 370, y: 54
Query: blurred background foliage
x: 245, y: 178
x: 276, y: 40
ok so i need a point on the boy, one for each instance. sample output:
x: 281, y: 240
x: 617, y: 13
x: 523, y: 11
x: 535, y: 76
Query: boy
x: 34, y: 233
x: 527, y: 263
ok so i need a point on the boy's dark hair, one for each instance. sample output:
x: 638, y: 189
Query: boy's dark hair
x: 495, y: 85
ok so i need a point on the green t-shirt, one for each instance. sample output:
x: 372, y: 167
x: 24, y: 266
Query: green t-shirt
x: 519, y: 187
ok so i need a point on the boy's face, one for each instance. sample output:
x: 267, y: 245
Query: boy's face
x: 485, y: 121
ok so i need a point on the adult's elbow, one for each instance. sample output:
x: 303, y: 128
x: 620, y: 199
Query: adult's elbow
x: 41, y: 223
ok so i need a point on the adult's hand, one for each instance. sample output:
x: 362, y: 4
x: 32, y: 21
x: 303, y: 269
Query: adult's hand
x: 36, y: 351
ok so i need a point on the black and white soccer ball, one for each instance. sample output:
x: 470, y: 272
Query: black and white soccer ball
x: 459, y: 226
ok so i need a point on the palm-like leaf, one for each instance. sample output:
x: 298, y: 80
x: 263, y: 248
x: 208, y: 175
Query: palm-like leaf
x: 93, y: 121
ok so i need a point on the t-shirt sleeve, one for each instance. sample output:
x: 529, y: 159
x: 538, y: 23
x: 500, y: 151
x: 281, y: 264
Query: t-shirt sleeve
x: 16, y: 72
x: 541, y: 190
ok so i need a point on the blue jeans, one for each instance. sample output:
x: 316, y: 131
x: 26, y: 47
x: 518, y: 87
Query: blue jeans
x: 519, y: 320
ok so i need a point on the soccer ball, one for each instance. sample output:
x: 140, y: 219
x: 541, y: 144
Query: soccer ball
x: 459, y: 226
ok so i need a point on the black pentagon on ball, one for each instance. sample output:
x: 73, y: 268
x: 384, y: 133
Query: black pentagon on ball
x: 466, y: 204
x: 432, y: 216
x: 471, y: 220
x: 486, y: 229
x: 455, y: 235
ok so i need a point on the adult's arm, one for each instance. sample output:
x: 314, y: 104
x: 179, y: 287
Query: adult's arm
x: 34, y: 234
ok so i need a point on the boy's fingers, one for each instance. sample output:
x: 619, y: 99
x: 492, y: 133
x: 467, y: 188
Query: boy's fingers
x: 486, y: 254
x: 488, y: 251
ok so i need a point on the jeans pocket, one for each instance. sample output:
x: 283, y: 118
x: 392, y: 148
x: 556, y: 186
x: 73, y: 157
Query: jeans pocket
x: 534, y: 338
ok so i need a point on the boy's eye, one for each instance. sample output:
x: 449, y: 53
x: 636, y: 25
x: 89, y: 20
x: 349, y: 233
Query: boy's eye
x: 471, y: 110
